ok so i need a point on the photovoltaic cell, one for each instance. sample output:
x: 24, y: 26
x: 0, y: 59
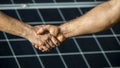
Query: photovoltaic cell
x: 7, y: 63
x: 2, y: 35
x: 114, y: 58
x: 87, y: 51
x: 29, y: 15
x: 4, y: 49
x: 68, y: 14
x: 29, y: 62
x: 52, y: 61
x: 88, y: 44
x: 22, y: 47
x: 50, y: 15
x: 71, y: 61
x: 94, y: 58
x: 68, y: 46
x: 20, y: 1
x: 109, y: 43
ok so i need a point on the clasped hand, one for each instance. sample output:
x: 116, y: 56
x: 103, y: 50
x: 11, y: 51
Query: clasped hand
x: 46, y: 37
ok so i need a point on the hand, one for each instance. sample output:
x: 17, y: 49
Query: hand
x: 44, y: 41
x: 53, y: 30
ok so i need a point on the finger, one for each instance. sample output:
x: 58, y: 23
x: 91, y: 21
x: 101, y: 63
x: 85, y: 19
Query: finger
x: 40, y: 48
x: 55, y: 41
x: 51, y: 44
x: 41, y: 30
x: 36, y: 46
x: 47, y: 45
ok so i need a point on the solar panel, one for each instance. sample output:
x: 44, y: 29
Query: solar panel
x: 86, y: 51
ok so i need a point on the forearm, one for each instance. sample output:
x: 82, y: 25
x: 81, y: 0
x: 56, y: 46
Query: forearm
x: 98, y: 19
x: 13, y: 26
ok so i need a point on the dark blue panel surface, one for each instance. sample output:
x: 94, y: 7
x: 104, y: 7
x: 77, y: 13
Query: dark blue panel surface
x: 88, y: 44
x: 8, y: 63
x: 2, y: 35
x: 75, y: 61
x: 85, y: 10
x: 29, y: 15
x: 23, y: 1
x: 10, y: 36
x: 109, y: 43
x: 50, y: 15
x: 64, y: 0
x: 107, y: 32
x: 44, y: 1
x: 70, y: 13
x: 52, y: 62
x: 114, y: 58
x: 116, y: 28
x: 29, y: 62
x: 22, y: 47
x: 96, y: 60
x: 11, y: 13
x: 4, y: 49
x: 5, y: 1
x: 68, y: 46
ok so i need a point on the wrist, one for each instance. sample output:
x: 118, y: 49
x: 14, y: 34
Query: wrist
x: 29, y: 32
x: 64, y: 31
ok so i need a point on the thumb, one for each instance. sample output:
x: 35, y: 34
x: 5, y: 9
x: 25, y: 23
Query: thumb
x: 61, y: 38
x: 41, y: 29
x: 53, y: 30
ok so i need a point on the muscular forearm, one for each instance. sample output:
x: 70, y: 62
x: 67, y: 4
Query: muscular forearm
x: 13, y: 26
x: 98, y: 19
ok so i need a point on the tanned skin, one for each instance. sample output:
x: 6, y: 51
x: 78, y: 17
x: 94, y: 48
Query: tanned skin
x: 18, y: 28
x: 100, y: 18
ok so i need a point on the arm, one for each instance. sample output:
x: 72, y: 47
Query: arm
x: 15, y: 27
x: 98, y: 19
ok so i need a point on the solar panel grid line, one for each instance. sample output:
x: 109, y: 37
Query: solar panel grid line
x: 118, y: 41
x: 12, y: 51
x: 48, y: 5
x: 98, y: 36
x: 73, y: 39
x: 99, y: 45
x: 56, y: 54
x: 102, y: 51
x: 112, y: 67
x: 49, y: 22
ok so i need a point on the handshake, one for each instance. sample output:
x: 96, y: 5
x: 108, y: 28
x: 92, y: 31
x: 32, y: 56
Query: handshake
x: 46, y: 37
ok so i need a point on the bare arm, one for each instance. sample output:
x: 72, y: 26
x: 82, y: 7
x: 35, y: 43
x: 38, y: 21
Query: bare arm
x: 98, y: 19
x: 15, y: 27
